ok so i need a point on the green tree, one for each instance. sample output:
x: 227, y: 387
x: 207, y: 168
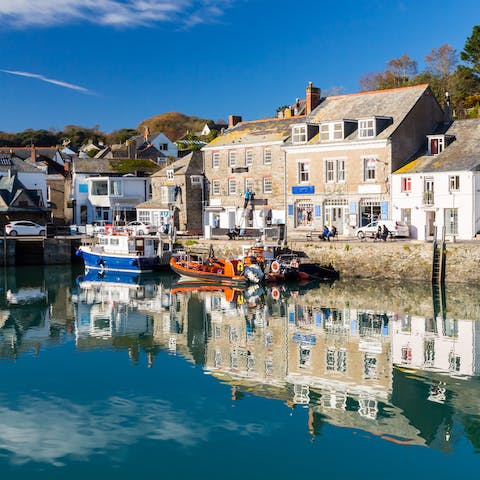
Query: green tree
x: 471, y: 51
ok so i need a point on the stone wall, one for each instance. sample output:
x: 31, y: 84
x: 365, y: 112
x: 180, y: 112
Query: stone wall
x: 396, y: 260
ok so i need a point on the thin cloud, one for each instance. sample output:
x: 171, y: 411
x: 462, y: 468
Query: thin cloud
x: 118, y: 13
x: 49, y: 80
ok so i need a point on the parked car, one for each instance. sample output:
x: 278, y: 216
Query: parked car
x: 24, y: 227
x: 395, y: 227
x: 140, y: 228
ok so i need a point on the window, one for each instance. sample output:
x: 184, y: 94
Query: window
x: 232, y: 186
x: 303, y: 172
x: 116, y: 188
x: 267, y: 156
x: 267, y: 185
x: 454, y: 183
x: 366, y: 128
x: 248, y: 158
x: 340, y: 170
x: 232, y: 158
x: 215, y: 159
x: 304, y: 214
x: 167, y: 194
x: 216, y: 187
x: 406, y: 184
x: 299, y: 134
x: 196, y: 179
x: 170, y: 175
x: 330, y: 171
x: 369, y: 165
x: 249, y: 184
x: 100, y: 187
x: 436, y: 145
x: 331, y: 131
x: 451, y: 221
x: 143, y: 215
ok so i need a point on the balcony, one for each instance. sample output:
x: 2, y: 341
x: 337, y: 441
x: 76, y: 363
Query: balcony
x: 428, y: 198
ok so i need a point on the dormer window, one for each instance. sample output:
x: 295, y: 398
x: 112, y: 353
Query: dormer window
x: 436, y: 144
x: 331, y: 131
x: 299, y: 134
x: 366, y: 128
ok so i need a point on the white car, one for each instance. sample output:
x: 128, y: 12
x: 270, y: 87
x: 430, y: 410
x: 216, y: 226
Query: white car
x: 140, y: 228
x: 395, y: 227
x: 24, y: 227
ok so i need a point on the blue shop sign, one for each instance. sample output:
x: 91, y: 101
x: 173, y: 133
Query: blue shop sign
x: 303, y: 190
x: 304, y: 338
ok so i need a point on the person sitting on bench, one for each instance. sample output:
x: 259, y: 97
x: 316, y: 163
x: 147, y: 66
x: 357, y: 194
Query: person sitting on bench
x: 233, y: 233
x: 325, y: 235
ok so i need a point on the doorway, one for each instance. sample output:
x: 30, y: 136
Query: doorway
x: 429, y: 225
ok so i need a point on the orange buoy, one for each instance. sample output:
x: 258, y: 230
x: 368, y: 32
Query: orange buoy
x: 275, y: 293
x: 275, y: 267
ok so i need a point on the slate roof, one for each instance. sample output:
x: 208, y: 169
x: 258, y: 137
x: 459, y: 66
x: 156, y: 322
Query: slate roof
x: 462, y: 154
x: 267, y: 130
x: 16, y: 164
x: 11, y: 188
x: 395, y: 103
x: 191, y: 164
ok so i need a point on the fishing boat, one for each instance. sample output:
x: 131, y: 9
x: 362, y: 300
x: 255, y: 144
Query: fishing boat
x: 120, y: 252
x: 215, y: 270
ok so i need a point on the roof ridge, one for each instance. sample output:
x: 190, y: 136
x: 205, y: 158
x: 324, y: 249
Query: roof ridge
x: 369, y: 92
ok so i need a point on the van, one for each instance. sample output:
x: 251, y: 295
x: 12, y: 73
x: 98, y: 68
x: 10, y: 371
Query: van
x: 395, y: 227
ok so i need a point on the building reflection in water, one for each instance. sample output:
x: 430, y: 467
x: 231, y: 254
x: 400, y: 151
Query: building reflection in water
x: 394, y: 361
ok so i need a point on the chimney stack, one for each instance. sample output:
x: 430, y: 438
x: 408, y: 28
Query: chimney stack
x: 313, y: 98
x: 33, y: 155
x: 233, y: 120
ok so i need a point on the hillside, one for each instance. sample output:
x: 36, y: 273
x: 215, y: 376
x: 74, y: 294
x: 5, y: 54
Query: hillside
x: 173, y: 124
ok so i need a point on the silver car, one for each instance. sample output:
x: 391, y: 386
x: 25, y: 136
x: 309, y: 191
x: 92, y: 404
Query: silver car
x: 396, y: 228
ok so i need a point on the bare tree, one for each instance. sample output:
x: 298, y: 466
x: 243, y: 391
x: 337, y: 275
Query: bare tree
x: 441, y: 63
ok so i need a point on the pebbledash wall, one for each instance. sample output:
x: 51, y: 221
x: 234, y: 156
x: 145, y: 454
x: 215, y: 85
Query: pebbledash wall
x: 407, y: 261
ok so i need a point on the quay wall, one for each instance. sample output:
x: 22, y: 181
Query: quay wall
x: 392, y: 260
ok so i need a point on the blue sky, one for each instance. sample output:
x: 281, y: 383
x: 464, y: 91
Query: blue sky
x: 114, y: 63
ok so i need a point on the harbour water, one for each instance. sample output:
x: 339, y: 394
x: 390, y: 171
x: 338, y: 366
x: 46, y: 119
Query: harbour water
x: 127, y: 377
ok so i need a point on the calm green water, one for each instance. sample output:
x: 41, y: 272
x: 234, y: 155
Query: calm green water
x: 344, y: 380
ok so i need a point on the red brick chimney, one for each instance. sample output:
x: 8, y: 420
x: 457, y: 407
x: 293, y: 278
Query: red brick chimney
x: 233, y: 120
x: 33, y: 155
x: 313, y: 97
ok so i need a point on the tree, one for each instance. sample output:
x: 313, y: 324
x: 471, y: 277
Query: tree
x: 401, y: 70
x: 471, y: 51
x: 440, y: 64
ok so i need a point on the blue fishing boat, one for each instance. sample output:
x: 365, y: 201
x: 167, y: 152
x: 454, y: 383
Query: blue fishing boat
x: 121, y: 253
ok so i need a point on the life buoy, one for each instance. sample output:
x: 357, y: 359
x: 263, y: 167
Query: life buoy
x: 275, y: 293
x: 240, y: 267
x: 294, y: 264
x: 275, y: 267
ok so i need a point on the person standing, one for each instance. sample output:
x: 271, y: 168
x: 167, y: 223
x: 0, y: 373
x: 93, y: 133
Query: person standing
x: 247, y: 197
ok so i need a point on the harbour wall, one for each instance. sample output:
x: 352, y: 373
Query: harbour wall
x: 391, y: 260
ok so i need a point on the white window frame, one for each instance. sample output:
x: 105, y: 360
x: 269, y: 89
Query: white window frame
x: 454, y: 183
x: 232, y: 186
x: 196, y: 179
x: 167, y: 194
x: 248, y: 157
x: 340, y: 170
x: 366, y: 128
x: 451, y: 221
x: 441, y: 144
x: 249, y: 183
x: 232, y: 158
x: 170, y: 175
x: 267, y: 185
x: 329, y: 171
x: 267, y: 156
x: 144, y: 216
x: 331, y: 131
x: 406, y: 182
x: 367, y: 167
x: 303, y: 172
x: 215, y: 187
x: 216, y: 160
x: 299, y: 134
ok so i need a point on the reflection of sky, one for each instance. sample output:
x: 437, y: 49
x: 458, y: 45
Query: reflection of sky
x: 49, y: 430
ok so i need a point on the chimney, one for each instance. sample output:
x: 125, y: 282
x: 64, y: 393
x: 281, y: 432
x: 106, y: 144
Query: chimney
x: 233, y: 120
x: 33, y: 155
x: 287, y: 113
x: 313, y: 98
x: 447, y: 110
x: 131, y: 148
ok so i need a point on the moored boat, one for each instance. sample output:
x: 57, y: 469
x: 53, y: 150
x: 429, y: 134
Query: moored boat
x: 121, y: 253
x: 215, y: 270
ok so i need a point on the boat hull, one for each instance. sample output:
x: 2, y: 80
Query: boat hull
x: 118, y: 263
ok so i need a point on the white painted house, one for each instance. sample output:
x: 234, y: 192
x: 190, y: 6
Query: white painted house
x: 441, y: 187
x: 101, y: 192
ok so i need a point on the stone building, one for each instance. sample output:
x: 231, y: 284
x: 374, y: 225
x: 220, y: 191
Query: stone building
x: 249, y: 156
x: 177, y: 195
x: 339, y: 159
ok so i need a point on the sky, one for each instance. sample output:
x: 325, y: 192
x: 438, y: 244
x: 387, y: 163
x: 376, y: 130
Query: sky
x: 115, y: 63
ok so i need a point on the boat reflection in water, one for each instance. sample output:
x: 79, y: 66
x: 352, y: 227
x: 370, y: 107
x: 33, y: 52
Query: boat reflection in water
x: 391, y: 361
